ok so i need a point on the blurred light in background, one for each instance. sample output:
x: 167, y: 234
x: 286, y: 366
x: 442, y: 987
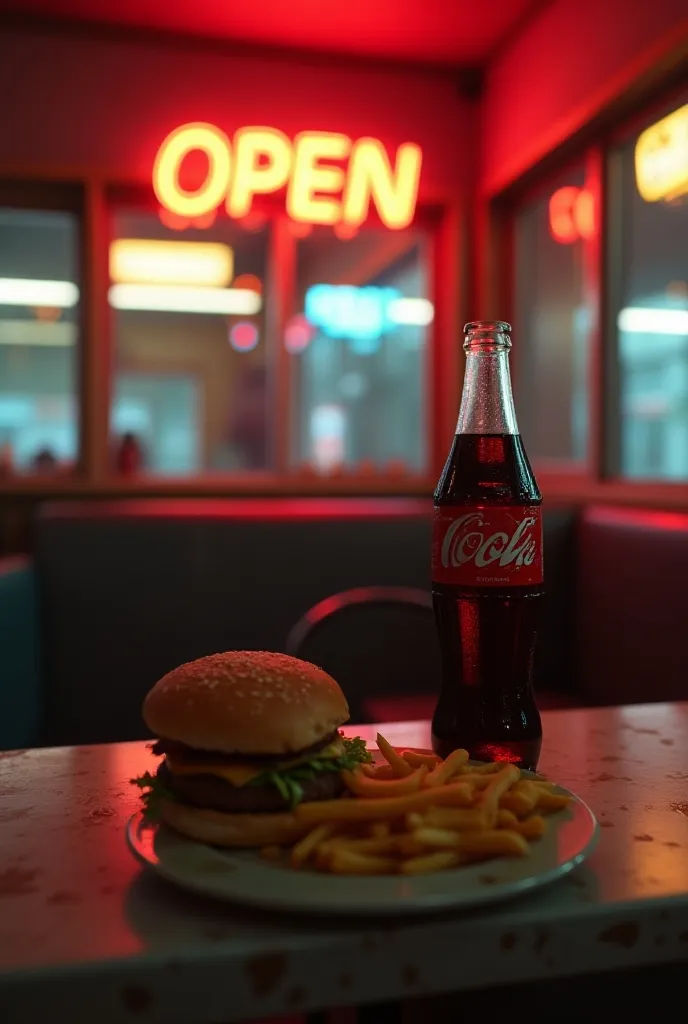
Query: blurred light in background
x: 243, y: 336
x: 411, y: 312
x: 642, y: 320
x: 298, y: 334
x: 250, y: 282
x: 345, y: 311
x: 156, y: 261
x: 363, y: 314
x: 25, y: 292
x: 571, y: 214
x: 661, y: 158
x: 36, y: 332
x: 174, y: 299
x: 328, y: 437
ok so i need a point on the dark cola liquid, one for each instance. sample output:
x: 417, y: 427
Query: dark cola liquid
x: 488, y: 634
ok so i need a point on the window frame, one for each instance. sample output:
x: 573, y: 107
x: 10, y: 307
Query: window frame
x: 592, y: 161
x: 614, y: 223
x: 93, y: 476
x: 64, y: 195
x: 598, y: 146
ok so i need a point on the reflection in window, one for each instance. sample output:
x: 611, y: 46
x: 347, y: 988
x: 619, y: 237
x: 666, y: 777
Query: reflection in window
x: 38, y: 341
x: 359, y: 342
x: 652, y: 327
x: 551, y: 329
x: 191, y: 381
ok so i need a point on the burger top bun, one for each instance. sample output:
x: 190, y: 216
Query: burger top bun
x: 246, y: 702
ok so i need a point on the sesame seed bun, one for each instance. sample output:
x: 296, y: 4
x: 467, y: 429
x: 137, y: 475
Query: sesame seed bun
x: 239, y: 830
x: 246, y: 702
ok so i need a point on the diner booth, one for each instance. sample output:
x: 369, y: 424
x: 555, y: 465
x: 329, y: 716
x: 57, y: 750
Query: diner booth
x: 232, y: 288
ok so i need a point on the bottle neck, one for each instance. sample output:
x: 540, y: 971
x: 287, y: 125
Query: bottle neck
x: 487, y: 404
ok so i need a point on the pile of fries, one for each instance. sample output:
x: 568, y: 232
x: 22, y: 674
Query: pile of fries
x: 416, y: 814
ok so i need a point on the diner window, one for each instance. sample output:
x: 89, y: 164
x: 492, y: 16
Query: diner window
x: 39, y: 330
x: 359, y: 343
x: 552, y: 319
x: 651, y: 311
x: 191, y: 388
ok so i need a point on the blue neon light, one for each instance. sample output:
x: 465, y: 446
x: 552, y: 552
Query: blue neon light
x: 345, y: 311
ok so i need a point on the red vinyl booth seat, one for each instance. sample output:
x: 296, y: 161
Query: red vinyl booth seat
x: 632, y: 605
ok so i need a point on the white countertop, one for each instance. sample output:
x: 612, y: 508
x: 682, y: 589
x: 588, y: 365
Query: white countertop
x: 81, y: 924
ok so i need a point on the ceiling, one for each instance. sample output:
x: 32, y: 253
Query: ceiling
x: 447, y: 32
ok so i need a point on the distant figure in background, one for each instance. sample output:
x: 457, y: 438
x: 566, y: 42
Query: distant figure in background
x: 129, y: 458
x: 248, y: 420
x: 44, y: 462
x: 6, y: 459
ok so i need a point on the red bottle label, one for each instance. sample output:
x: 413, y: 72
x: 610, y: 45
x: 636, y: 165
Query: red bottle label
x: 487, y: 546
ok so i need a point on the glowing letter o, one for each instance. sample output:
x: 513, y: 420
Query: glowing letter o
x: 178, y: 143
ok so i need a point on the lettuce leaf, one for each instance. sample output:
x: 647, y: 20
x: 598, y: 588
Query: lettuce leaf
x: 153, y: 792
x: 287, y: 782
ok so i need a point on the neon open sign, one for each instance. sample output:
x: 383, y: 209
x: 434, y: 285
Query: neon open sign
x: 329, y: 178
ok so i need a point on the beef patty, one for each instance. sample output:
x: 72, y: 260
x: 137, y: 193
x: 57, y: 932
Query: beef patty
x: 216, y: 794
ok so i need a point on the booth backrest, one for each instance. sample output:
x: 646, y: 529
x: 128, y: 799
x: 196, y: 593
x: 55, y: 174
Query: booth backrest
x: 633, y: 609
x: 130, y: 589
x: 21, y: 695
x: 554, y: 660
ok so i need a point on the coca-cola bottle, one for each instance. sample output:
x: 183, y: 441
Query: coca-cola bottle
x: 487, y: 568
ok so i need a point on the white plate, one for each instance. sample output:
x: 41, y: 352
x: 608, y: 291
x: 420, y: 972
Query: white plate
x: 241, y: 876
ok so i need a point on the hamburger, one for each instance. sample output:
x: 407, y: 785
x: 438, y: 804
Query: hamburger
x: 245, y: 736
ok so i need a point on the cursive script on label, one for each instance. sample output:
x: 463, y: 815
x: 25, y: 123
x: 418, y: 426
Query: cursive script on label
x: 469, y: 539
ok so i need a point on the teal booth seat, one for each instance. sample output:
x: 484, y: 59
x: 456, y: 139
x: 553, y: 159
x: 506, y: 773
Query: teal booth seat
x: 20, y: 671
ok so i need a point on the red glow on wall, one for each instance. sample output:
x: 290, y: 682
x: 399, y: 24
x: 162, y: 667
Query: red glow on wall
x: 254, y: 221
x: 345, y: 231
x: 297, y: 229
x: 176, y: 222
x: 572, y: 215
x: 173, y: 220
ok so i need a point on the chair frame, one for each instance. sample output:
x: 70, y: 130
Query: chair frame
x: 329, y: 606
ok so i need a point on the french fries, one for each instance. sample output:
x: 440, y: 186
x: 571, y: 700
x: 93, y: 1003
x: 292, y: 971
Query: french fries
x: 444, y: 771
x: 415, y: 759
x: 399, y: 766
x: 415, y: 814
x: 360, y: 785
x: 306, y: 846
x: 455, y: 794
x: 378, y: 771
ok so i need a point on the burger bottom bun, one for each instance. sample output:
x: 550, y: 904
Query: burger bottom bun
x: 219, y: 829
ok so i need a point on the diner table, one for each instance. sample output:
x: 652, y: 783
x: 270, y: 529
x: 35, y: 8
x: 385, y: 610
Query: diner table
x: 85, y: 929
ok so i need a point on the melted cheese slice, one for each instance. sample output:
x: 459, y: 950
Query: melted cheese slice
x: 241, y: 774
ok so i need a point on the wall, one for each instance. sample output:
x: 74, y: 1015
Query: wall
x: 104, y: 106
x: 570, y: 62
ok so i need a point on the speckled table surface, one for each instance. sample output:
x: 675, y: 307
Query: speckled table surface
x: 82, y: 928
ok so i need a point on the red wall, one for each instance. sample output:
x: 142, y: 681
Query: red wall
x: 105, y: 106
x: 569, y: 63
